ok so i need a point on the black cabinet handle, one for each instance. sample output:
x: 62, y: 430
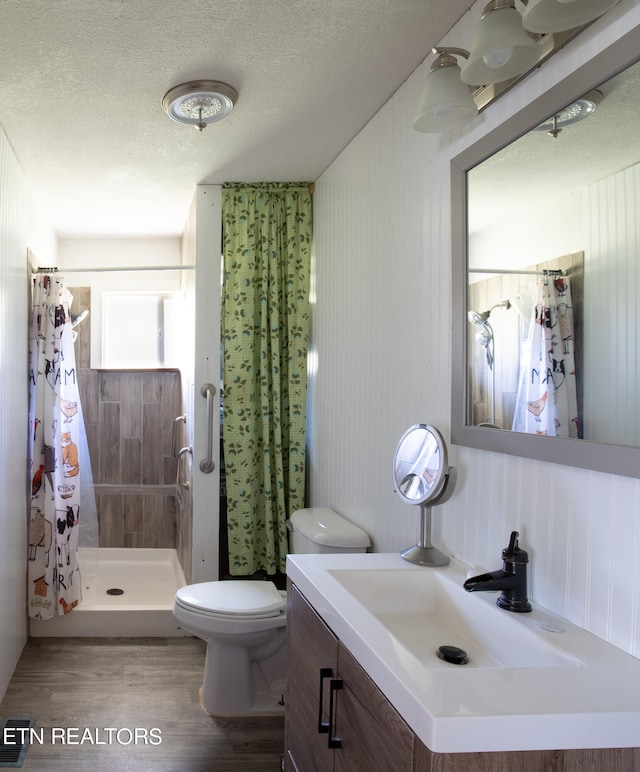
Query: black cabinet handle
x: 323, y: 726
x: 334, y: 686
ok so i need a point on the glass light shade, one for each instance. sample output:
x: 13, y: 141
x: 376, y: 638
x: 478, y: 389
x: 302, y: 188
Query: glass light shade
x: 199, y: 102
x: 577, y: 111
x: 544, y: 16
x: 501, y: 49
x: 446, y: 101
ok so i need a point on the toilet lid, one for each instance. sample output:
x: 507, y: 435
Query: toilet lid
x: 233, y: 598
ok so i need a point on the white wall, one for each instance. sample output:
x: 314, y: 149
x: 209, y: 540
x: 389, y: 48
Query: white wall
x: 19, y: 230
x: 611, y: 265
x: 115, y: 252
x: 78, y: 253
x: 381, y: 329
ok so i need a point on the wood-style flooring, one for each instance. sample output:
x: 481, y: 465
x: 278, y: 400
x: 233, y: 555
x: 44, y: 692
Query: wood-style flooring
x: 125, y: 684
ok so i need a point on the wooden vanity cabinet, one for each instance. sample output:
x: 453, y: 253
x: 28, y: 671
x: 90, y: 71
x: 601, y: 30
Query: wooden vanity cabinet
x: 311, y: 648
x: 331, y: 702
x: 371, y: 734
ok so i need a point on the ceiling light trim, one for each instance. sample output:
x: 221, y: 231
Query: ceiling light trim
x: 199, y: 102
x: 573, y: 113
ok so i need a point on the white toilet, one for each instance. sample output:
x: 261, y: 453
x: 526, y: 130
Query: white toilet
x: 244, y: 622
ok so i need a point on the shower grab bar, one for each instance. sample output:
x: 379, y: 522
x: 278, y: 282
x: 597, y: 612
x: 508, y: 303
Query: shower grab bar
x: 174, y: 434
x: 208, y: 391
x: 182, y: 483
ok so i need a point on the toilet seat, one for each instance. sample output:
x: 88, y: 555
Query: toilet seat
x: 243, y: 599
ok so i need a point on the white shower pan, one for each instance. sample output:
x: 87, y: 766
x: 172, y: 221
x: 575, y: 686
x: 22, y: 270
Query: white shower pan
x: 126, y: 593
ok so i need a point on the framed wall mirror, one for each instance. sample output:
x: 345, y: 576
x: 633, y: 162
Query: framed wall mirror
x: 546, y: 234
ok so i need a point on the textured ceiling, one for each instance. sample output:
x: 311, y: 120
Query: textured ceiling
x: 81, y: 83
x: 540, y: 170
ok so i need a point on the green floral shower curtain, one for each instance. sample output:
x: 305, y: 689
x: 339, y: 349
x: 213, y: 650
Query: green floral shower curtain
x: 265, y: 332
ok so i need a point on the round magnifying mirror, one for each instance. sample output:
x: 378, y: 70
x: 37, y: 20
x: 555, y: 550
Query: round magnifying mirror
x: 422, y: 475
x: 420, y: 465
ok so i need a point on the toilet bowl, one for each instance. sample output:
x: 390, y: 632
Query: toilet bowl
x: 244, y: 623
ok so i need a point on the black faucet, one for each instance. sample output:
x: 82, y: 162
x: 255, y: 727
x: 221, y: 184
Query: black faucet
x: 511, y: 579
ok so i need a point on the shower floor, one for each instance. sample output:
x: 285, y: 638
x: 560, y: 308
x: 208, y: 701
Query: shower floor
x: 145, y: 583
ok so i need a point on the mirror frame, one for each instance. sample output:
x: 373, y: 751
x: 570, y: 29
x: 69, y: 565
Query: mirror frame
x: 613, y: 459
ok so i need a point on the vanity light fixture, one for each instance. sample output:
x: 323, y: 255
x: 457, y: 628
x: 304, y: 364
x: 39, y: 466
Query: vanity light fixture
x: 501, y: 47
x: 557, y: 15
x: 199, y: 102
x: 506, y: 46
x: 446, y: 101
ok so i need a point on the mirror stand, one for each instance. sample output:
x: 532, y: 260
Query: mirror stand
x: 424, y: 553
x: 422, y: 476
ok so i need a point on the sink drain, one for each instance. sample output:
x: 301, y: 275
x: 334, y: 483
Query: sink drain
x: 115, y: 591
x: 453, y: 654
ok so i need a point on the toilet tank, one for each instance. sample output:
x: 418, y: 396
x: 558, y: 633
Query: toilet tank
x: 320, y: 529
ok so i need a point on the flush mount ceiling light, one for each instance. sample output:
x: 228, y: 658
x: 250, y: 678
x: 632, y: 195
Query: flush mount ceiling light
x: 501, y: 47
x: 557, y: 15
x: 576, y: 111
x: 199, y: 102
x: 446, y: 101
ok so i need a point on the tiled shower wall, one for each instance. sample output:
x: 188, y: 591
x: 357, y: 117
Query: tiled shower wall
x: 129, y: 418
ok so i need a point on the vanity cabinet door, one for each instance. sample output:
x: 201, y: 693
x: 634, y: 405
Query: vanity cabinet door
x: 326, y: 685
x: 373, y: 735
x: 312, y: 657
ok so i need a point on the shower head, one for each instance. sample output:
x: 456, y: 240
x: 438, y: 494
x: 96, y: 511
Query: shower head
x: 75, y: 321
x: 484, y: 336
x: 479, y: 320
x: 485, y: 339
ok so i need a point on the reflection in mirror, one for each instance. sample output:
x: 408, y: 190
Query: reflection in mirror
x: 412, y: 486
x: 525, y: 367
x: 418, y: 468
x: 422, y: 475
x: 546, y: 301
x: 578, y: 179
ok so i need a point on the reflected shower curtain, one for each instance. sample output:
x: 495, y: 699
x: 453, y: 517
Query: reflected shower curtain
x: 265, y: 332
x: 55, y: 416
x: 547, y: 402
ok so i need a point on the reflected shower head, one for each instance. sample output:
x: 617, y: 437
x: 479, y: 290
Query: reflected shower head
x: 75, y: 320
x: 484, y: 336
x: 479, y: 320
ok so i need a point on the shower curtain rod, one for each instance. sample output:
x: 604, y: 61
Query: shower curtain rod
x: 559, y: 272
x: 107, y: 269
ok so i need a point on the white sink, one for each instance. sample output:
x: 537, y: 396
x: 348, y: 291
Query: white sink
x: 424, y: 610
x: 533, y: 681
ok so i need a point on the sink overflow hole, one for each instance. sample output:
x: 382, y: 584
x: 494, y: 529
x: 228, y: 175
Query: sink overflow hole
x: 115, y: 591
x: 453, y: 655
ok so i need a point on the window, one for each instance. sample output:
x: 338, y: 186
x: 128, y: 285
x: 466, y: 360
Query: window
x: 140, y: 330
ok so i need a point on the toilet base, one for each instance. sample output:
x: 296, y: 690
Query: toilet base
x: 264, y: 704
x: 245, y: 681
